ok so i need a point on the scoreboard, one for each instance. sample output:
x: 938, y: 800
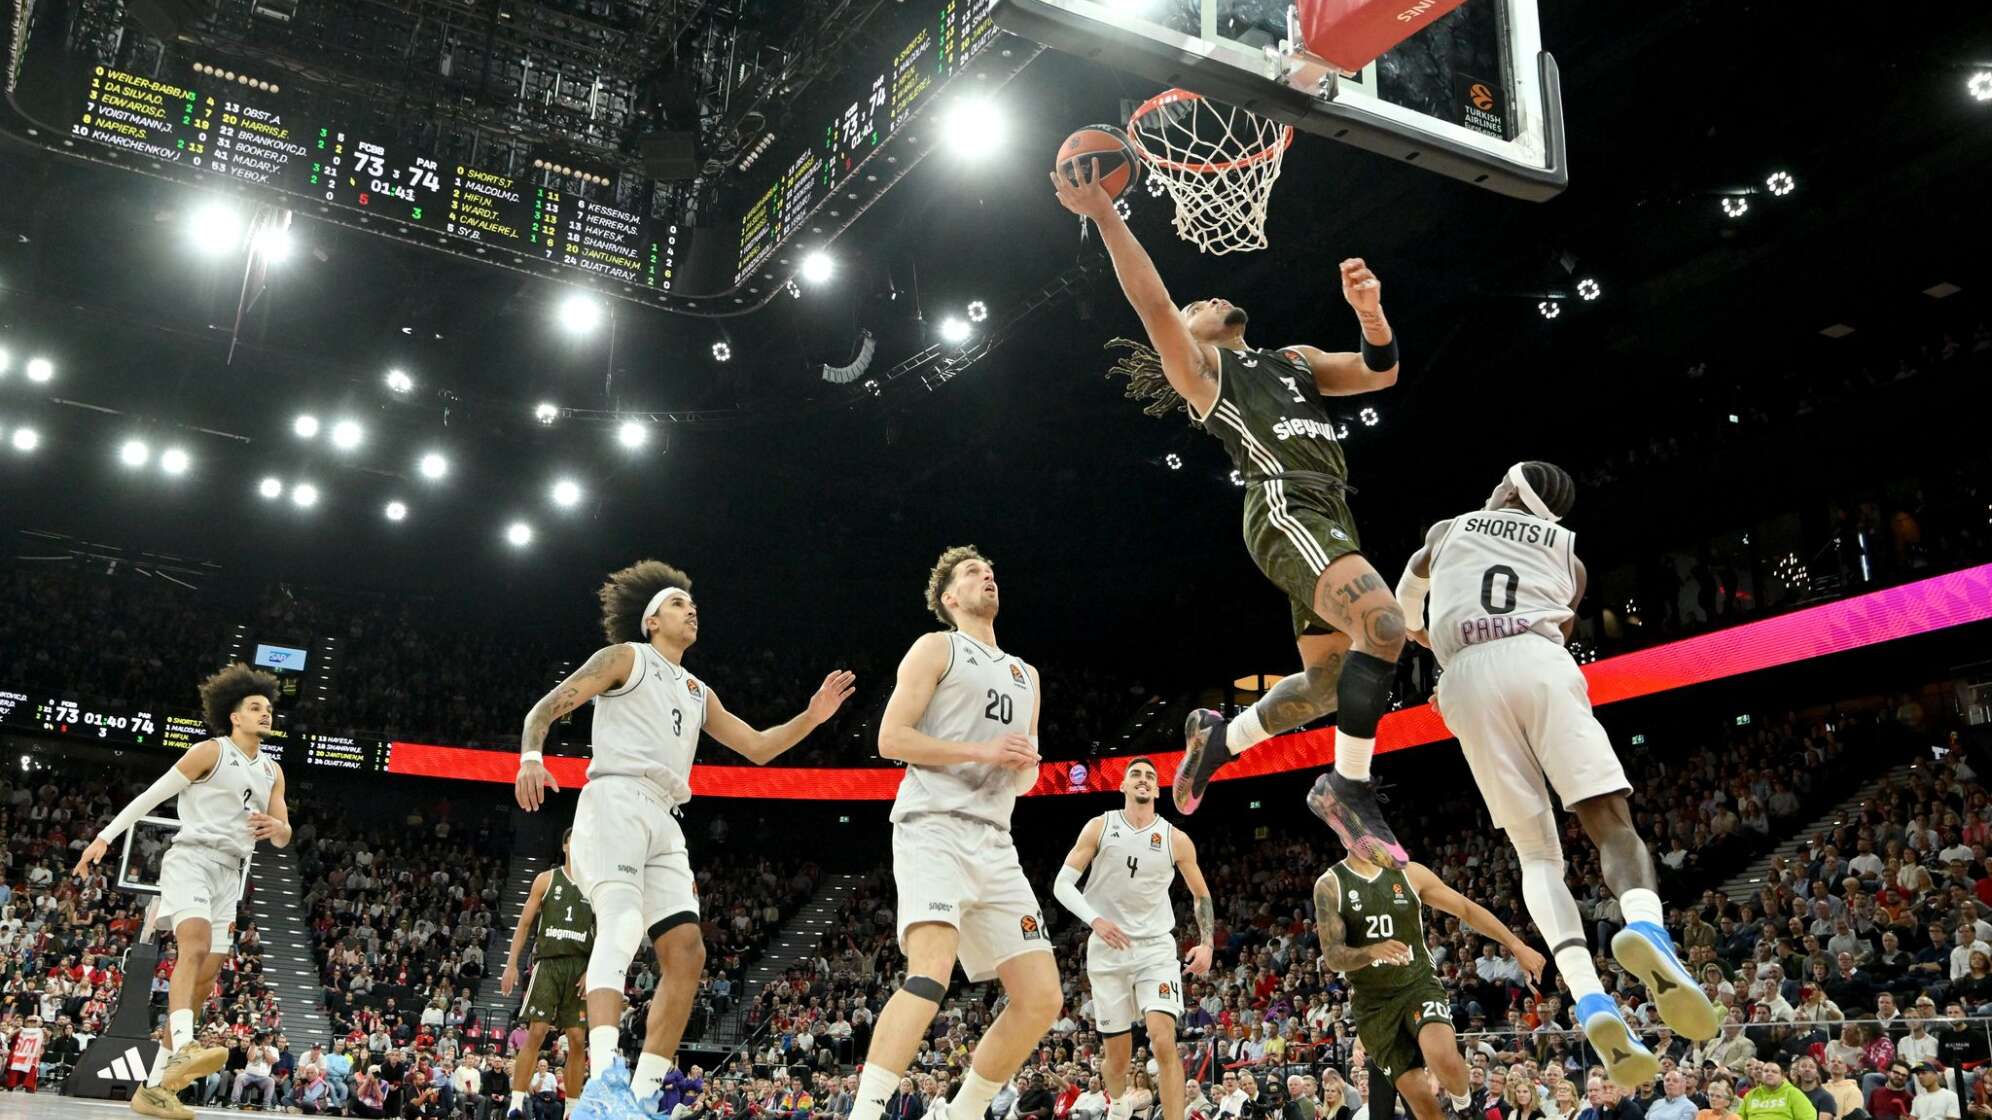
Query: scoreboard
x: 26, y: 711
x: 248, y: 130
x: 210, y: 120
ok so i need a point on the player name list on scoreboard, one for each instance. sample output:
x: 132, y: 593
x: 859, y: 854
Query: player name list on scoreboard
x: 163, y: 121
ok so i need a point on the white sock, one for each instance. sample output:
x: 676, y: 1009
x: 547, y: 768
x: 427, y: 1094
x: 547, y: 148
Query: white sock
x: 972, y: 1102
x: 1119, y: 1107
x: 875, y: 1086
x: 180, y: 1027
x: 1460, y: 1103
x: 1642, y: 905
x: 649, y: 1075
x: 1352, y: 756
x: 1245, y: 732
x: 602, y: 1046
x: 518, y: 1100
x: 1579, y: 971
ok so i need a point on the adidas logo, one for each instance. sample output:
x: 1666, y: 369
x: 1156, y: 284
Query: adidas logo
x: 973, y: 661
x: 129, y: 1066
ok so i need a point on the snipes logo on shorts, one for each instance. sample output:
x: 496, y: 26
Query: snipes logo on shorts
x: 941, y: 907
x: 1030, y: 927
x: 625, y: 869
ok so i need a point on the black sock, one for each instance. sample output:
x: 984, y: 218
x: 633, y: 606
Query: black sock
x: 1363, y: 693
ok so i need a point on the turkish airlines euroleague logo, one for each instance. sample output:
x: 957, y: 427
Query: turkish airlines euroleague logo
x: 1481, y: 96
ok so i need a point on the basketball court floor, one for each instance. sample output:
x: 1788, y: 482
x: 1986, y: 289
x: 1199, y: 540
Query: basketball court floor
x: 49, y: 1106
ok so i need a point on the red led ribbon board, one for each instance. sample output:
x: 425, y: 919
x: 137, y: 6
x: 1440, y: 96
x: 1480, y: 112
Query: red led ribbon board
x: 1881, y: 616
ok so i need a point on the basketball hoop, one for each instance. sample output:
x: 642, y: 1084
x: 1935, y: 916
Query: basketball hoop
x: 1218, y: 163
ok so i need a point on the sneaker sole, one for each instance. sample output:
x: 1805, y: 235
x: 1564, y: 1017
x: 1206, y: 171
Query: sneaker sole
x: 1683, y: 1006
x: 1184, y: 791
x: 209, y: 1060
x: 1636, y: 1069
x: 177, y: 1112
x: 1360, y: 843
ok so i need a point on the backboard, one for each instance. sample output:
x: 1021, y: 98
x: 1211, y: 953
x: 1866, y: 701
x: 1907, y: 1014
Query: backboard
x: 1472, y: 96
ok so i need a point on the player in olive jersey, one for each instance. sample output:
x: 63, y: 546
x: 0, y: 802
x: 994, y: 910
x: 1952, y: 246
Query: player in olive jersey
x: 565, y: 936
x: 1371, y: 922
x: 1269, y: 408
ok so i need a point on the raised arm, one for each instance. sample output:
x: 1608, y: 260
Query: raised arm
x: 1190, y: 366
x: 761, y: 747
x: 1345, y: 374
x: 1185, y: 853
x: 194, y: 765
x: 606, y: 670
x: 1435, y: 894
x: 899, y: 739
x: 1336, y: 952
x: 527, y: 917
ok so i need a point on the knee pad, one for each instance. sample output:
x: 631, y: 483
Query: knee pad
x: 618, y: 935
x: 1363, y: 693
x: 925, y: 987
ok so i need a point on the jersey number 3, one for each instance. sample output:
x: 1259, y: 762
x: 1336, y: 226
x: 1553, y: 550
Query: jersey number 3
x: 1000, y: 708
x: 1294, y: 388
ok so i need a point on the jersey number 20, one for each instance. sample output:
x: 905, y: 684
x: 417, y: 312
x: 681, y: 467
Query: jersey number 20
x: 999, y: 708
x: 1378, y: 925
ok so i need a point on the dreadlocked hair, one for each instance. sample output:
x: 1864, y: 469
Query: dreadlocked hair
x: 224, y: 692
x: 628, y: 591
x: 1142, y: 367
x: 1552, y: 484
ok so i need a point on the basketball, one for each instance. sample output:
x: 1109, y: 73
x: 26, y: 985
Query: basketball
x: 1106, y: 144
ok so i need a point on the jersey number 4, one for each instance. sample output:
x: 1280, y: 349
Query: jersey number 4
x: 1000, y: 708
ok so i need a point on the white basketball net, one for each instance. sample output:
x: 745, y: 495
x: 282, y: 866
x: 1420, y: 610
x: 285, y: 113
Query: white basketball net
x: 1219, y: 163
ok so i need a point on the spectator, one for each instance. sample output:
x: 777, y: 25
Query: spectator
x: 1774, y: 1098
x: 257, y: 1061
x: 1721, y: 1101
x: 1674, y: 1103
x: 1934, y: 1100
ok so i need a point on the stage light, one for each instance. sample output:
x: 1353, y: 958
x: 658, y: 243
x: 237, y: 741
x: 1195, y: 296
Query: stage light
x: 25, y: 439
x: 174, y: 460
x: 1173, y: 461
x: 817, y: 267
x: 580, y: 313
x: 271, y: 488
x: 395, y: 511
x: 399, y: 382
x: 40, y: 370
x: 214, y: 228
x: 1369, y: 417
x: 721, y: 352
x: 633, y: 434
x: 433, y: 465
x: 1549, y: 309
x: 1589, y: 289
x: 1237, y: 479
x: 346, y: 434
x: 977, y: 311
x: 134, y: 453
x: 275, y: 244
x: 1780, y: 183
x: 518, y: 534
x: 1979, y: 85
x: 304, y: 495
x: 974, y: 127
x: 545, y: 412
x: 567, y: 493
x: 306, y: 426
x: 1735, y: 207
x: 954, y: 331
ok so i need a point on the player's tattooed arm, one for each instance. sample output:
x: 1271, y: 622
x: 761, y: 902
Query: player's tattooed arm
x: 1206, y: 912
x: 606, y: 670
x: 1336, y: 952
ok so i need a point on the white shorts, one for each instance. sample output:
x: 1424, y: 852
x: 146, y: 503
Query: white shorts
x: 963, y: 873
x: 1522, y: 710
x: 624, y: 833
x: 1129, y: 984
x: 197, y: 884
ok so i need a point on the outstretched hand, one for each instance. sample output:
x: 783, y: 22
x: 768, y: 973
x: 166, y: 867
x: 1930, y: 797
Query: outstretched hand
x: 836, y: 688
x: 1083, y: 196
x: 1361, y: 287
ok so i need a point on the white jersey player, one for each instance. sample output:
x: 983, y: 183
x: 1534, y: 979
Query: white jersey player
x: 627, y: 849
x: 1131, y: 958
x: 963, y: 717
x: 230, y: 795
x: 1504, y: 583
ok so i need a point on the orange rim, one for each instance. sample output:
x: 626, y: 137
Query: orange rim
x: 1173, y: 96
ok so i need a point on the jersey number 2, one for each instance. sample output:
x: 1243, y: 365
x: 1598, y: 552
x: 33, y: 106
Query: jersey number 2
x: 999, y: 708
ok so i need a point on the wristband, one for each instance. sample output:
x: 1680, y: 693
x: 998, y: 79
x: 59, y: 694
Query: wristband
x: 531, y: 756
x: 1382, y: 358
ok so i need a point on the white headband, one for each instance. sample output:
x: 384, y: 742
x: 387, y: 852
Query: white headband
x: 1537, y: 506
x: 660, y: 599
